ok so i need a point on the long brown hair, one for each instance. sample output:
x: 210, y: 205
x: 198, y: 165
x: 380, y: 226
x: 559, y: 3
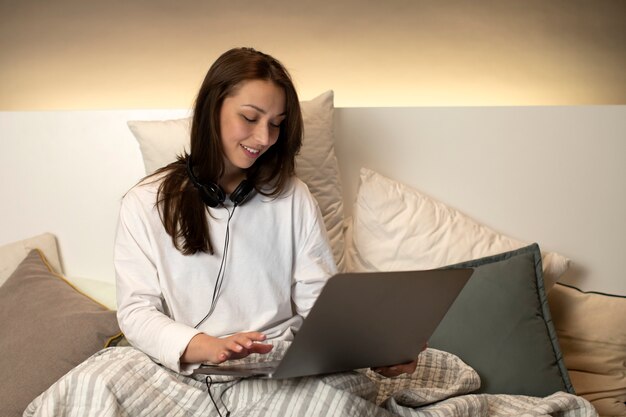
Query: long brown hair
x: 180, y: 206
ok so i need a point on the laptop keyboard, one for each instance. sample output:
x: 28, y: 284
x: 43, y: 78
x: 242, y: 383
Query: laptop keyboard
x: 250, y: 366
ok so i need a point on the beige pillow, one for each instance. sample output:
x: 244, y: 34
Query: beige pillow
x: 13, y: 253
x: 592, y: 334
x: 49, y: 329
x: 396, y: 227
x: 160, y: 141
x: 99, y: 291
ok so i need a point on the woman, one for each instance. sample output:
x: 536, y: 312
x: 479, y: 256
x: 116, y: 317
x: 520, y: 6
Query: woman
x: 193, y: 277
x: 188, y: 290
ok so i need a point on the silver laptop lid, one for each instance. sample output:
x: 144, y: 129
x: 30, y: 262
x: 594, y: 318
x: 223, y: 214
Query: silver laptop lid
x: 372, y: 319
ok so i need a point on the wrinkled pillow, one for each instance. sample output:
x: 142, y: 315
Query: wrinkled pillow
x: 160, y: 141
x: 592, y: 332
x: 501, y: 326
x: 396, y: 227
x: 49, y: 329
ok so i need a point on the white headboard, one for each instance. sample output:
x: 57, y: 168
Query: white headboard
x: 552, y: 175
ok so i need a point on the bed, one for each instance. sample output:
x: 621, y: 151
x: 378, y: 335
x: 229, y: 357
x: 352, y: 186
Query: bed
x: 539, y: 331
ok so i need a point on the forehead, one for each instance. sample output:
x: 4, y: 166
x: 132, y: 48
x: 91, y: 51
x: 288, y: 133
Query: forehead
x: 260, y: 94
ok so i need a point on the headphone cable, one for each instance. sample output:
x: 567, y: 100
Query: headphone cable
x: 209, y: 382
x: 222, y: 271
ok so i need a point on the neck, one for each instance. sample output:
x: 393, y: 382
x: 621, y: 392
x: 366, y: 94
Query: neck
x: 231, y: 179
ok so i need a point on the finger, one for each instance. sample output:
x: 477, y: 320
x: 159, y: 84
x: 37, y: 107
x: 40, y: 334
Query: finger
x: 254, y: 336
x: 389, y: 371
x: 239, y: 355
x: 410, y: 367
x: 261, y: 348
x: 221, y: 357
x: 235, y: 346
x: 240, y: 345
x: 395, y: 370
x: 240, y: 341
x: 247, y: 339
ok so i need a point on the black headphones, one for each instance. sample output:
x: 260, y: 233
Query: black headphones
x: 213, y: 195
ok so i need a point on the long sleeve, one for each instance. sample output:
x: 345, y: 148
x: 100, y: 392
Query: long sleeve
x: 141, y: 311
x: 314, y: 262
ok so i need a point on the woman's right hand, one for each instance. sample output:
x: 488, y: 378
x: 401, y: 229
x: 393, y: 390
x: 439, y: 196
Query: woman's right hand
x: 215, y: 350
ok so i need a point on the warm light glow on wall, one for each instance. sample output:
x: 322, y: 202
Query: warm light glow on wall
x: 73, y: 54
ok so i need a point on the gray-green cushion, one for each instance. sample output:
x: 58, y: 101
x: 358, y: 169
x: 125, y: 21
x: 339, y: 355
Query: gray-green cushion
x: 500, y: 325
x: 47, y: 328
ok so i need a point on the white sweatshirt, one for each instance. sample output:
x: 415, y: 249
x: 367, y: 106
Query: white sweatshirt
x: 278, y: 260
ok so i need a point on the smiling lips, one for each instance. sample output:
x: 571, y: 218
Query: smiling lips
x: 252, y: 153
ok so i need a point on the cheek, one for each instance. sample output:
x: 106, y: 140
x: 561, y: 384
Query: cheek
x: 275, y: 136
x: 232, y: 131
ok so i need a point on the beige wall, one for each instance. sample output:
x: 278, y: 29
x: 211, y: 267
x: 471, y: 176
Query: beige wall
x: 72, y: 54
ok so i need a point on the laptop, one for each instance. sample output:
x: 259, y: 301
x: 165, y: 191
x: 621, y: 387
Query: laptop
x: 362, y: 320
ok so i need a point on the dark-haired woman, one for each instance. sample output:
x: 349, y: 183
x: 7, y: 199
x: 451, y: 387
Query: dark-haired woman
x: 203, y: 278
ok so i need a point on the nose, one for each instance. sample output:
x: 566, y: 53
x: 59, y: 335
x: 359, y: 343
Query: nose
x: 262, y: 134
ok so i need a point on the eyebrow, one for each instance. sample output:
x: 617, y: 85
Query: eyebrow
x: 260, y: 110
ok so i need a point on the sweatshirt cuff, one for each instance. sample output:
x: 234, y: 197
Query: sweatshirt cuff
x: 174, y: 341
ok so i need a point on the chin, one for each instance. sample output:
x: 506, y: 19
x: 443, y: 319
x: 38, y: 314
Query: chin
x: 245, y: 166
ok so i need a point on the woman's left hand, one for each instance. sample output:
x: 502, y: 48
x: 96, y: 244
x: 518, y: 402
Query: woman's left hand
x: 395, y: 370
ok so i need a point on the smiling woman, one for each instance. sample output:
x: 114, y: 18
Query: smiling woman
x: 244, y: 136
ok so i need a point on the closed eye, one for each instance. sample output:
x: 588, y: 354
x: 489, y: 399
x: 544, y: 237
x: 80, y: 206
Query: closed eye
x: 277, y: 122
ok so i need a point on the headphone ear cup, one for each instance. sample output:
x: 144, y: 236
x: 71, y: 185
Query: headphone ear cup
x: 212, y: 195
x: 242, y: 193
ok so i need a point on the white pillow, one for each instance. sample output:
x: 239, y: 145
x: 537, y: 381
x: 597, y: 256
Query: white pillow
x: 161, y: 141
x: 12, y: 254
x: 395, y: 227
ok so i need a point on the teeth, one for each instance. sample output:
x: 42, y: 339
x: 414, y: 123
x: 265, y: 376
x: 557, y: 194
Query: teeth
x: 250, y: 149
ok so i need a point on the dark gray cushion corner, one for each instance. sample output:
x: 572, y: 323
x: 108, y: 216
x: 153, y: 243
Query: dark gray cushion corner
x: 501, y: 326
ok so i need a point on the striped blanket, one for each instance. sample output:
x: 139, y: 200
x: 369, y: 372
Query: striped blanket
x: 123, y: 381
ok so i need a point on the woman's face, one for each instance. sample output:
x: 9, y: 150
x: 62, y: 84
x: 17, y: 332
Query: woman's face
x: 250, y: 122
